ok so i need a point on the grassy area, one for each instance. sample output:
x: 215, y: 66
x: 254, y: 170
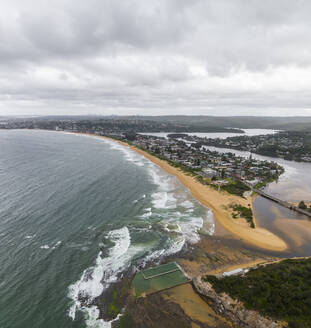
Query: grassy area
x: 280, y: 290
x: 235, y: 187
x: 244, y: 212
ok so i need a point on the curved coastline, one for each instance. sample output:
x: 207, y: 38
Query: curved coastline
x: 218, y: 202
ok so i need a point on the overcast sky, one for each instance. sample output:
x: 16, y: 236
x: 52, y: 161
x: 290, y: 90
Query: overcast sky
x: 219, y: 57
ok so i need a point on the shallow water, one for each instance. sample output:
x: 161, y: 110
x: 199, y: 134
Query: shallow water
x: 294, y: 185
x: 76, y: 211
x: 220, y: 135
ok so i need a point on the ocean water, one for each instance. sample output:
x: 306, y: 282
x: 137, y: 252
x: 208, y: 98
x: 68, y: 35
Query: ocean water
x: 75, y: 212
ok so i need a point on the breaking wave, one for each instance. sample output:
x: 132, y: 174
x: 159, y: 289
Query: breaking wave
x: 169, y: 206
x: 96, y: 279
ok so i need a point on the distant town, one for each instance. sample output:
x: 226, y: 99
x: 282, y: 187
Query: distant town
x: 218, y: 169
x: 113, y: 124
x: 224, y: 171
x: 290, y: 145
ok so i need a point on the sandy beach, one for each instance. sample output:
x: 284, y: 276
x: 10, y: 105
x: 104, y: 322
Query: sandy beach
x: 218, y: 202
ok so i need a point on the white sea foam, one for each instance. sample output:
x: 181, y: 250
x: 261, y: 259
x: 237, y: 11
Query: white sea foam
x: 92, y: 320
x: 174, y: 245
x: 210, y: 222
x: 142, y: 197
x: 190, y: 229
x: 159, y: 199
x: 164, y: 182
x: 53, y: 247
x: 129, y: 154
x: 164, y: 200
x: 96, y: 279
x: 30, y: 236
x: 164, y: 197
x: 187, y: 204
x: 147, y: 214
x: 57, y: 244
x: 107, y: 269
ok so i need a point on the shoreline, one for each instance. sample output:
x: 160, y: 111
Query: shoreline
x: 218, y: 202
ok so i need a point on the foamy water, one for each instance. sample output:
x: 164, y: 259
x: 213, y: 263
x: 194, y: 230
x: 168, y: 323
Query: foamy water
x: 77, y: 213
x: 96, y: 279
x: 171, y: 207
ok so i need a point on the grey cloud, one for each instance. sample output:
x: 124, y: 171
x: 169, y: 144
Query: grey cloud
x: 167, y: 56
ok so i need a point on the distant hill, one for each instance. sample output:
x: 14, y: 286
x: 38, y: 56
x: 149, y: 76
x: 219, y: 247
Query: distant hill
x: 251, y: 122
x: 199, y: 123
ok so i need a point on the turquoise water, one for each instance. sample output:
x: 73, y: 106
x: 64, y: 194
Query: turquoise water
x: 76, y: 212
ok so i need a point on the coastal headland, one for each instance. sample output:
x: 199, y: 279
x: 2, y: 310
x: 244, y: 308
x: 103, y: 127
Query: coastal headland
x: 219, y: 202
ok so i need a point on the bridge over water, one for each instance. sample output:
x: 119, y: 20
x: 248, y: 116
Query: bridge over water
x: 281, y: 202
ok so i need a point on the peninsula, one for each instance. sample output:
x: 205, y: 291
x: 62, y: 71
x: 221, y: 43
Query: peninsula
x: 220, y: 201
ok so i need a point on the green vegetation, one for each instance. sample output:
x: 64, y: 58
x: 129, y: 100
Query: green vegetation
x: 244, y: 212
x: 187, y: 170
x: 114, y: 307
x: 235, y: 187
x: 126, y: 321
x: 240, y: 122
x: 281, y: 290
x: 302, y: 205
x: 235, y: 215
x: 267, y: 180
x: 114, y: 299
x: 290, y: 145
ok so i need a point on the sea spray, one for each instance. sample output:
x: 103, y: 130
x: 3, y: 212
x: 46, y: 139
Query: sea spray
x: 171, y: 206
x: 105, y: 271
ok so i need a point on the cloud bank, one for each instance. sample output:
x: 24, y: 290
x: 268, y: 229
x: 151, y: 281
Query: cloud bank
x: 155, y: 57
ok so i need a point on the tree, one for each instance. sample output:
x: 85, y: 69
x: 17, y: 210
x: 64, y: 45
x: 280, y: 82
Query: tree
x: 302, y: 205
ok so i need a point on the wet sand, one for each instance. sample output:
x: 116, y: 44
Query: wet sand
x: 240, y: 266
x: 297, y: 231
x: 215, y: 254
x: 195, y: 307
x: 219, y: 202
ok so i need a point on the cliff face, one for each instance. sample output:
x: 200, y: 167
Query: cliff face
x: 233, y: 309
